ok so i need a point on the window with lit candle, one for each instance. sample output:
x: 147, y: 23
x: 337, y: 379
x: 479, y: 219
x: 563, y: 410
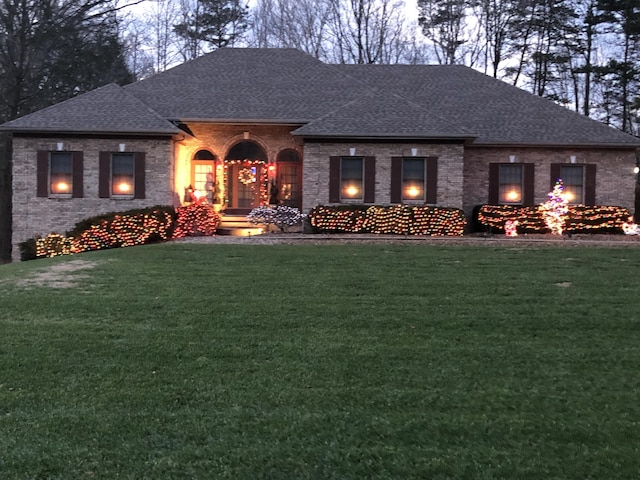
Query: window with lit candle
x: 413, y: 180
x: 352, y: 178
x: 510, y: 183
x: 573, y: 180
x: 122, y: 174
x: 61, y: 173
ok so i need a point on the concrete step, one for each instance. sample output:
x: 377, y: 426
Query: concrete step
x: 237, y: 226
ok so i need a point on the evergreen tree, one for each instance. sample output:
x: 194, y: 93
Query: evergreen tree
x: 211, y: 24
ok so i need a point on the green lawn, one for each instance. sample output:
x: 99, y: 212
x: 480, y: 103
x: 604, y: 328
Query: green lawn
x: 182, y: 361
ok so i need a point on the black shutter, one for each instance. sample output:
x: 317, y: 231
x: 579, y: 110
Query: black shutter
x: 369, y: 179
x: 432, y: 180
x: 139, y: 174
x: 528, y: 196
x: 42, y: 173
x: 590, y: 184
x: 334, y: 179
x: 396, y: 180
x: 104, y: 175
x: 77, y: 159
x: 494, y: 184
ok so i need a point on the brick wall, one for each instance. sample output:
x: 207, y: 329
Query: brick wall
x: 316, y: 169
x: 615, y: 180
x: 34, y: 215
x: 220, y: 138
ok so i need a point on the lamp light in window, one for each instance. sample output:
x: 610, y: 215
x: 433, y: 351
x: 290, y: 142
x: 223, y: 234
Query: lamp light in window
x: 352, y: 191
x: 61, y: 187
x: 513, y: 196
x: 413, y: 191
x: 124, y: 188
x: 568, y: 196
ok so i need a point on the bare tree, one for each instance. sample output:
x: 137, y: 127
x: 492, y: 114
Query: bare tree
x: 367, y: 31
x: 298, y: 24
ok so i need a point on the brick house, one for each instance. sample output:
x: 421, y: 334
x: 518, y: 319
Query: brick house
x: 246, y: 126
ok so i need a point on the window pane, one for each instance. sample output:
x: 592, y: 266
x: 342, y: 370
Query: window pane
x: 510, y: 190
x: 288, y: 182
x: 122, y: 174
x: 351, y: 178
x: 413, y: 179
x: 573, y: 179
x: 61, y: 173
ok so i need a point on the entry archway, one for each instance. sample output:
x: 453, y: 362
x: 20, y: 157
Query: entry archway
x: 245, y: 179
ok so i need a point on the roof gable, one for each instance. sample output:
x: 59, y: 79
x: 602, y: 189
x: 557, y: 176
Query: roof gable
x: 247, y: 84
x: 378, y: 114
x: 108, y: 109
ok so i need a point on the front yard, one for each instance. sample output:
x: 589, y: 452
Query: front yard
x: 345, y: 361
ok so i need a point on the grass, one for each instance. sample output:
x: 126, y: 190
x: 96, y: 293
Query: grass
x: 180, y: 361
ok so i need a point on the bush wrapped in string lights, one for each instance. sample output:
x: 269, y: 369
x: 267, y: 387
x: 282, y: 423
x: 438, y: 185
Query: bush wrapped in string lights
x: 281, y: 216
x: 134, y: 227
x: 580, y: 219
x: 196, y: 220
x: 395, y: 220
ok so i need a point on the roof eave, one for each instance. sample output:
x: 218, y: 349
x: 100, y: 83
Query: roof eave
x: 390, y: 137
x: 532, y: 144
x: 120, y: 133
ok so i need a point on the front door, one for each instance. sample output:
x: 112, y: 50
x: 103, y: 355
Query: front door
x: 244, y: 181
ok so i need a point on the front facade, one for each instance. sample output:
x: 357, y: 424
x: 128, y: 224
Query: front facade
x: 307, y: 134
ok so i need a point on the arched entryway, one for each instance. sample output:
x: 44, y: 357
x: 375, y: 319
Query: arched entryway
x: 289, y: 178
x: 245, y: 176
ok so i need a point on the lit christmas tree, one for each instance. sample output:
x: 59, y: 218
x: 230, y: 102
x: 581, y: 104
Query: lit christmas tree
x: 555, y: 210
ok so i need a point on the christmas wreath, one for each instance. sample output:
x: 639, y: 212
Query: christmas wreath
x: 246, y: 176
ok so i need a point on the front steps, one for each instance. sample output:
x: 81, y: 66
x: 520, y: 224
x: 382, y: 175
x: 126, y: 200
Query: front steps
x: 237, y: 226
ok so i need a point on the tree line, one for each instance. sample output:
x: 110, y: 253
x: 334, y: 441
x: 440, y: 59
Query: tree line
x: 583, y: 54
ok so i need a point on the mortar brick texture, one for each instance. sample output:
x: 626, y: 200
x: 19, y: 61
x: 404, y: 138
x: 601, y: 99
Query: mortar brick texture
x: 615, y: 180
x: 316, y: 169
x: 34, y: 215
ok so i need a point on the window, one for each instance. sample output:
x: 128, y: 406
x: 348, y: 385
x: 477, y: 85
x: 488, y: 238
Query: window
x: 59, y: 174
x: 511, y: 184
x: 122, y: 175
x: 352, y: 179
x: 414, y: 180
x: 573, y: 179
x: 579, y: 181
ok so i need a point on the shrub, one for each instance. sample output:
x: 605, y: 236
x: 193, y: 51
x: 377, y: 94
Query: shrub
x: 280, y: 216
x: 133, y: 227
x: 580, y: 218
x: 398, y: 220
x: 196, y: 220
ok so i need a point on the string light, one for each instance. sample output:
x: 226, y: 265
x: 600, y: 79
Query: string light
x: 398, y: 220
x: 579, y: 219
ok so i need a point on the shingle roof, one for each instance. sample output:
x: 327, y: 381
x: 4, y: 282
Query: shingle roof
x: 497, y: 112
x: 266, y: 85
x: 376, y: 114
x: 107, y: 109
x: 286, y: 86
